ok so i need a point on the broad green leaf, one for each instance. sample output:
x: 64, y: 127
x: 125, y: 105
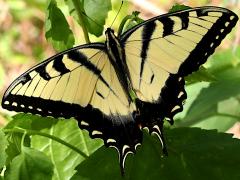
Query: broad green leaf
x: 14, y: 139
x: 30, y: 165
x: 58, y: 32
x: 206, y: 104
x: 103, y: 164
x: 92, y: 12
x: 223, y: 60
x: 20, y: 120
x: 201, y: 75
x: 193, y: 154
x: 222, y: 122
x: 64, y: 158
x: 3, y: 145
x: 97, y: 11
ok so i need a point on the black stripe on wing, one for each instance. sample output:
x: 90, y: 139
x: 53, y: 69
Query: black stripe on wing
x: 184, y: 19
x: 42, y: 72
x: 147, y: 32
x: 167, y: 26
x: 59, y: 66
x: 83, y: 60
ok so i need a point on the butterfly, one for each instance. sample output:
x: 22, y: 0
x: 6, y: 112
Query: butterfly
x: 130, y: 82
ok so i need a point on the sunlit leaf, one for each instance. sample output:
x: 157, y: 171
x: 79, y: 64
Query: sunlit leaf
x: 64, y: 158
x: 30, y: 165
x: 93, y: 14
x: 201, y: 75
x: 3, y: 145
x: 223, y: 60
x: 205, y: 105
x: 14, y: 139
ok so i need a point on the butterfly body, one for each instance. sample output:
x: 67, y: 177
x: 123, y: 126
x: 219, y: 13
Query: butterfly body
x: 135, y: 81
x: 117, y: 57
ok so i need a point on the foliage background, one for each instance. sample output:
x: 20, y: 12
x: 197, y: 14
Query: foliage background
x: 213, y: 103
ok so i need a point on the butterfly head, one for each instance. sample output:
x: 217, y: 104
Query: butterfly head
x: 112, y: 41
x: 109, y: 34
x: 113, y: 45
x: 109, y: 30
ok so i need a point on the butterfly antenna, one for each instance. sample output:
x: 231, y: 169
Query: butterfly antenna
x: 117, y: 14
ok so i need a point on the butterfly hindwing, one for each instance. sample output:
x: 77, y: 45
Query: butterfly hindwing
x: 80, y: 83
x: 164, y: 49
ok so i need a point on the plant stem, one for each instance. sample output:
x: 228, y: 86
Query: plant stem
x: 23, y: 138
x: 123, y: 23
x: 77, y: 6
x: 33, y: 132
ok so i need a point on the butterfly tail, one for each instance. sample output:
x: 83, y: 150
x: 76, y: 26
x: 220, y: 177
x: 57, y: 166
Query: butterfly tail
x: 158, y: 130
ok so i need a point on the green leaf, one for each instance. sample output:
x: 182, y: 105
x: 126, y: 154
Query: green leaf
x: 224, y: 60
x: 206, y: 104
x: 93, y: 14
x: 14, y: 139
x: 129, y: 22
x: 58, y: 32
x: 201, y: 75
x: 178, y: 7
x: 103, y: 164
x: 97, y: 11
x: 3, y: 145
x: 20, y: 120
x: 63, y: 158
x: 30, y: 164
x: 193, y: 154
x: 227, y: 114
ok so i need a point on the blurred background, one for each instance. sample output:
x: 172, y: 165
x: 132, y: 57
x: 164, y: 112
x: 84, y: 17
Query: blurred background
x: 23, y: 44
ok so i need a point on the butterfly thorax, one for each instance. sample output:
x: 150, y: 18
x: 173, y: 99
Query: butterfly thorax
x: 117, y: 57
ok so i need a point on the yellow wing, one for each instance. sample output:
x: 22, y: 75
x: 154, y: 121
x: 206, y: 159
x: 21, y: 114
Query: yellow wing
x: 173, y: 44
x: 80, y: 83
x: 82, y: 77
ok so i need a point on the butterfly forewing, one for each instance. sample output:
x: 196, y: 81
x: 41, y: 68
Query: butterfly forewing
x: 162, y: 50
x: 80, y: 83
